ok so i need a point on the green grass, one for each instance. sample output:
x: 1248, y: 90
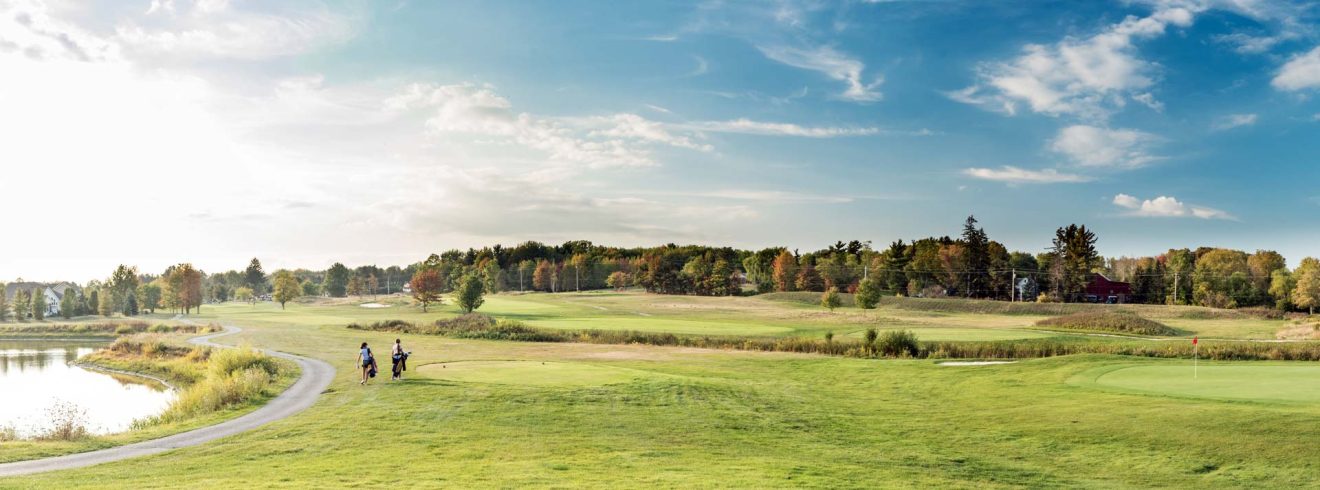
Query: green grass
x: 683, y: 417
x: 530, y: 373
x: 1260, y: 382
x: 1121, y: 322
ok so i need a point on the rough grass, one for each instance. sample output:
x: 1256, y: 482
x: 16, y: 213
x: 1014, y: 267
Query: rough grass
x: 98, y: 329
x: 1109, y: 321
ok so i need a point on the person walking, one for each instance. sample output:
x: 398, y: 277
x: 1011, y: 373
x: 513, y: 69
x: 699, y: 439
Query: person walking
x: 365, y: 361
x: 400, y: 358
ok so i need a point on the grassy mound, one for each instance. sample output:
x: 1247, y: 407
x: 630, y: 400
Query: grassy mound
x: 1109, y: 321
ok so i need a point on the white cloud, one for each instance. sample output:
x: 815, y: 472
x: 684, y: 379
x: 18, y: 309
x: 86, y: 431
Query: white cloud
x: 1091, y: 146
x: 216, y: 29
x: 836, y: 65
x: 1148, y: 99
x: 1166, y: 207
x: 747, y: 126
x: 1086, y: 77
x: 1248, y: 44
x: 632, y: 126
x: 1299, y: 73
x: 1233, y: 121
x: 1015, y: 175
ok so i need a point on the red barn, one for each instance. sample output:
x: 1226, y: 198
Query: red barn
x: 1103, y: 290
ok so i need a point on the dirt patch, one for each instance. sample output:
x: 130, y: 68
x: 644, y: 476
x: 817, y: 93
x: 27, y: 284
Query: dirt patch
x: 1307, y: 331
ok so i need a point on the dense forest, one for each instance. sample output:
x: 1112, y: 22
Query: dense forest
x: 970, y: 265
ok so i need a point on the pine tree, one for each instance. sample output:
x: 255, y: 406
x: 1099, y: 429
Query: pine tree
x: 69, y: 304
x: 38, y: 311
x: 22, y: 301
x: 976, y: 256
x: 4, y: 302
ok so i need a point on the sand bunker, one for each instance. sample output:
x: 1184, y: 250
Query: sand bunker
x: 373, y: 305
x: 974, y: 363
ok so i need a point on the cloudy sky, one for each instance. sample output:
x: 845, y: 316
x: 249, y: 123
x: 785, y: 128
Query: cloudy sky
x: 211, y: 131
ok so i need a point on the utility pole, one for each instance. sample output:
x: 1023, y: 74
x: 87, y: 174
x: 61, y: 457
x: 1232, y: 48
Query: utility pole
x: 1012, y: 288
x: 1175, y: 288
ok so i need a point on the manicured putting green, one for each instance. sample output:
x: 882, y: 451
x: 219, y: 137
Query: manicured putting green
x: 531, y: 373
x: 1266, y: 382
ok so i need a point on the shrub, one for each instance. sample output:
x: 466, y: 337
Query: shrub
x: 68, y: 422
x: 868, y: 294
x: 898, y: 343
x: 830, y: 298
x: 1109, y: 321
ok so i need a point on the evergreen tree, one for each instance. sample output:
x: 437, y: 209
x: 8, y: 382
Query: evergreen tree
x: 69, y: 304
x: 105, y: 303
x: 868, y: 294
x: 4, y: 302
x: 38, y: 310
x: 976, y: 257
x: 130, y: 305
x: 254, y: 277
x: 22, y: 302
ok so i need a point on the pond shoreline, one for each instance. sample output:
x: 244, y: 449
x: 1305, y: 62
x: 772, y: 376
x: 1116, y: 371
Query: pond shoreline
x: 96, y: 367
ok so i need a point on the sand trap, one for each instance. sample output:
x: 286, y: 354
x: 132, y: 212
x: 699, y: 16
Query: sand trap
x: 530, y: 373
x: 974, y: 363
x: 373, y: 305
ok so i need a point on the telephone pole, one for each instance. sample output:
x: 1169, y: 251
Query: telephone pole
x: 1012, y: 288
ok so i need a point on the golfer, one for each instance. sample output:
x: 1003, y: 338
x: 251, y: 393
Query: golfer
x: 400, y: 359
x: 366, y: 361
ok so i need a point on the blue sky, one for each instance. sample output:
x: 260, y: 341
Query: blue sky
x: 311, y: 132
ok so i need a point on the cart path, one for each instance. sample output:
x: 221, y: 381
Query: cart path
x: 315, y: 377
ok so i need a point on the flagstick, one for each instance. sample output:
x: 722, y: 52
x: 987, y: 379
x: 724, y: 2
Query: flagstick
x: 1196, y: 355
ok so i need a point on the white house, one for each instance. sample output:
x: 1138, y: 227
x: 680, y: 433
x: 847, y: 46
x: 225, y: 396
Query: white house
x: 55, y: 294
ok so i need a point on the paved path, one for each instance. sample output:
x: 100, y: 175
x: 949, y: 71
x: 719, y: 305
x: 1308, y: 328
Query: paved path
x: 316, y: 376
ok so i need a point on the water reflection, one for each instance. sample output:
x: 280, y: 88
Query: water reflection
x: 36, y: 374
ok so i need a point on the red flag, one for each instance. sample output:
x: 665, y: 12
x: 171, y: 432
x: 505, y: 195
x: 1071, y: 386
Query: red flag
x: 1193, y: 340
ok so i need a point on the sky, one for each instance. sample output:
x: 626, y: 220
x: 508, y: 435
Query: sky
x: 306, y: 132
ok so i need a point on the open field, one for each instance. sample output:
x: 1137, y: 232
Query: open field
x: 634, y: 415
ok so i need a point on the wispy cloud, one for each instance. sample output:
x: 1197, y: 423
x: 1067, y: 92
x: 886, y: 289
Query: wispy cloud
x: 1166, y: 207
x: 1233, y: 121
x: 1302, y: 72
x: 747, y: 126
x: 1086, y: 77
x: 833, y: 64
x: 1015, y: 175
x: 1091, y: 146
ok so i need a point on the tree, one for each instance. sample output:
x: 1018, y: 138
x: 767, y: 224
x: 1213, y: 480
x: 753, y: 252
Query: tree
x: 785, y: 271
x: 426, y: 287
x: 149, y: 296
x: 336, y: 281
x: 287, y: 288
x: 93, y: 303
x: 579, y: 262
x: 68, y: 304
x: 310, y: 288
x: 185, y: 287
x: 543, y: 276
x: 22, y: 304
x: 130, y: 305
x: 808, y: 278
x: 254, y: 277
x: 976, y: 258
x: 469, y: 293
x: 1307, y: 292
x: 354, y: 287
x: 4, y: 302
x: 868, y: 293
x: 244, y: 294
x: 105, y: 303
x: 38, y: 310
x: 371, y: 285
x: 1074, y: 249
x: 123, y: 283
x: 618, y: 280
x: 830, y: 299
x: 1281, y: 287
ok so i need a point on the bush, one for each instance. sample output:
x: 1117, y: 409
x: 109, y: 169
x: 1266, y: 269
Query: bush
x: 868, y: 294
x: 898, y: 343
x: 1109, y: 321
x: 68, y: 422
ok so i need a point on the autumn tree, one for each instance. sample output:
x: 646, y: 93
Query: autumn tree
x: 808, y: 278
x: 618, y: 280
x: 1281, y: 288
x: 830, y: 299
x: 543, y: 278
x: 1074, y: 250
x: 105, y: 303
x: 354, y: 287
x: 426, y: 286
x: 123, y: 283
x: 469, y: 293
x: 1307, y: 292
x: 244, y: 294
x: 286, y: 288
x: 785, y: 271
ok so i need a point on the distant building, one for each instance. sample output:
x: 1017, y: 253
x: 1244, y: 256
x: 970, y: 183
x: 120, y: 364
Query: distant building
x: 1103, y: 290
x: 54, y: 296
x: 54, y: 293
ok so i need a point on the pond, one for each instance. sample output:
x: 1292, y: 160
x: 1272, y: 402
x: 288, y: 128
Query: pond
x: 37, y: 379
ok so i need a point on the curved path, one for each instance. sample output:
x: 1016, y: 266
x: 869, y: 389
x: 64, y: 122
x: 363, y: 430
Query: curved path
x: 316, y: 376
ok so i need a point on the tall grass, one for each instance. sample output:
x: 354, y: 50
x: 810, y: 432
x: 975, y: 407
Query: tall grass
x: 233, y: 377
x: 874, y: 345
x: 104, y: 329
x: 1109, y: 321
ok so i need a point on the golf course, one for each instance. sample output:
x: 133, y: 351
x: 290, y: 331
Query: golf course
x: 498, y: 413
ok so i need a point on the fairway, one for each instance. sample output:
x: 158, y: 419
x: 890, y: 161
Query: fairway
x: 656, y: 324
x: 961, y: 334
x: 530, y: 373
x: 1262, y: 382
